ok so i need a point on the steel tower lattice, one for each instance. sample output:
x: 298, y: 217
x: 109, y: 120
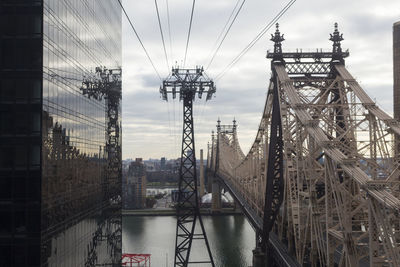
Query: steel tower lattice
x: 188, y: 82
x: 107, y: 84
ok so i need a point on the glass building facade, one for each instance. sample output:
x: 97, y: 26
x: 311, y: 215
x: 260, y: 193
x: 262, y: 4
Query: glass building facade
x: 58, y: 206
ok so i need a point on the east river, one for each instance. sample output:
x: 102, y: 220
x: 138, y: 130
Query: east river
x: 231, y: 239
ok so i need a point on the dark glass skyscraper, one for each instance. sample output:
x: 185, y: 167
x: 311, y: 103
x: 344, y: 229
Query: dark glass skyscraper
x: 58, y: 205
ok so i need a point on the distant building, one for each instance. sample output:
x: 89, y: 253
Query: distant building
x: 58, y: 205
x: 135, y: 186
x: 162, y: 163
x: 125, y: 164
x: 396, y: 77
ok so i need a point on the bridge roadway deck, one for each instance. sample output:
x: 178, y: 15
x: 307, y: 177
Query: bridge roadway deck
x: 280, y: 253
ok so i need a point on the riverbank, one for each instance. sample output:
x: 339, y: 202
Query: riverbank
x: 172, y: 212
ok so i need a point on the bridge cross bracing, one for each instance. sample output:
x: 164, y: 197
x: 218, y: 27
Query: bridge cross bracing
x: 341, y: 181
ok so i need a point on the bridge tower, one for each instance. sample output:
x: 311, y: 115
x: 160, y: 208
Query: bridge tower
x: 216, y: 203
x: 188, y: 83
x: 201, y: 191
x: 211, y: 162
x: 229, y: 133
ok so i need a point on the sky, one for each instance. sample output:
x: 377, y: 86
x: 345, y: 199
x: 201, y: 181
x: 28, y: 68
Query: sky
x: 152, y: 128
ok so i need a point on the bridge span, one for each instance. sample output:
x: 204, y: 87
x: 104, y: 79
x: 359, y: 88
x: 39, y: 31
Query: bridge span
x: 321, y: 182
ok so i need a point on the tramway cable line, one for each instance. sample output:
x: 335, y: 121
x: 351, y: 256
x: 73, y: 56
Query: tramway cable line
x: 227, y: 31
x: 223, y: 29
x: 162, y: 35
x: 147, y: 54
x: 169, y: 30
x: 255, y: 40
x: 203, y: 106
x: 140, y: 40
x: 189, y: 31
x: 166, y: 61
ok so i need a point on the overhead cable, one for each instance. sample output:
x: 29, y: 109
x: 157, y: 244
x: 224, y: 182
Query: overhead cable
x: 162, y: 35
x: 188, y: 36
x: 140, y: 40
x: 226, y: 24
x: 169, y: 31
x: 255, y: 40
x: 227, y: 31
x: 166, y: 61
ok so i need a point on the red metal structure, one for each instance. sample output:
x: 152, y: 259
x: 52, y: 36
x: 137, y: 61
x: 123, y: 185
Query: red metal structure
x: 138, y: 260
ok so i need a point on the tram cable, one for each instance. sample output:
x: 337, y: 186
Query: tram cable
x: 255, y: 40
x: 140, y: 40
x: 226, y: 33
x: 162, y: 35
x: 169, y: 31
x: 223, y: 29
x: 188, y: 36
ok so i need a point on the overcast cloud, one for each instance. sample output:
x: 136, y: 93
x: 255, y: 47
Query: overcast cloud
x: 152, y: 127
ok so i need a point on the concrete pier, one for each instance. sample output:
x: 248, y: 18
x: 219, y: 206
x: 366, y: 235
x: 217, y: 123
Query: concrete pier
x: 216, y: 197
x: 258, y: 258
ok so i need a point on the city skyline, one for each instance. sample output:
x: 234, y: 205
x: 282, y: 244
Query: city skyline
x: 152, y: 128
x: 298, y: 152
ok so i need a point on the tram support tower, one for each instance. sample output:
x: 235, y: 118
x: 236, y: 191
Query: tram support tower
x: 107, y: 84
x: 187, y: 83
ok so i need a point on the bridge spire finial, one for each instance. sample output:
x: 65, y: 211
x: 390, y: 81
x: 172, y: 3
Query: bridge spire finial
x: 336, y: 38
x: 277, y: 38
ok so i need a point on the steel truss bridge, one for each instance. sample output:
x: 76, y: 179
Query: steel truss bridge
x: 321, y: 182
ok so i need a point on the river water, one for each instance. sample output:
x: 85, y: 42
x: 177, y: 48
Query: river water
x: 231, y: 239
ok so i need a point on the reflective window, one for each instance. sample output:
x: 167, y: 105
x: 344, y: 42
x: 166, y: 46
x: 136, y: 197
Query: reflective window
x: 21, y: 90
x: 35, y: 122
x: 8, y: 53
x: 6, y: 157
x: 6, y: 223
x: 5, y: 192
x: 77, y: 38
x: 53, y: 160
x: 7, y: 90
x: 6, y: 122
x: 21, y: 122
x: 35, y: 90
x: 5, y: 255
x: 21, y: 156
x: 20, y: 222
x: 20, y: 97
x: 35, y: 156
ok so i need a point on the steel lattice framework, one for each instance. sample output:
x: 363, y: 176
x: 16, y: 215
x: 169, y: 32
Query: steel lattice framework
x: 325, y: 140
x: 107, y: 84
x: 187, y: 83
